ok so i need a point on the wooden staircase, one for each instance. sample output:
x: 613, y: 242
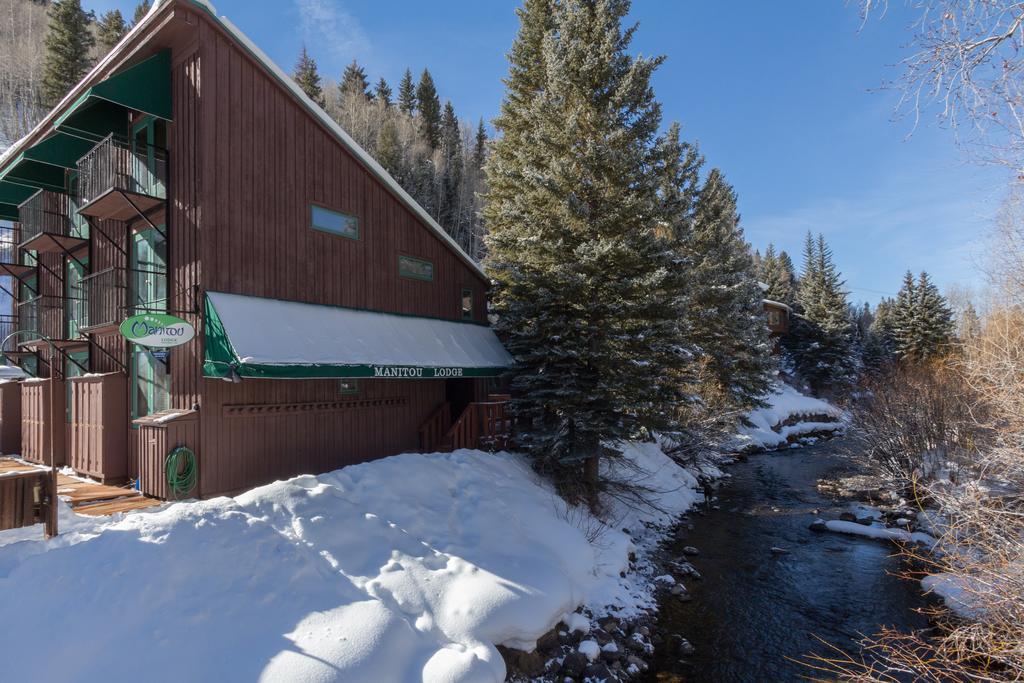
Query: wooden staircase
x: 483, y: 425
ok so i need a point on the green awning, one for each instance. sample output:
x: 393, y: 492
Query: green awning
x: 34, y: 174
x: 10, y: 193
x: 9, y: 212
x: 60, y: 149
x: 274, y: 339
x: 145, y: 87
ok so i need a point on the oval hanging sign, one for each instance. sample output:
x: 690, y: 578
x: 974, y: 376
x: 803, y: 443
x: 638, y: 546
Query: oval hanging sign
x: 157, y: 329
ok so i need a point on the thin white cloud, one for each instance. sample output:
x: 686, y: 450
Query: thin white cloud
x: 328, y: 29
x: 913, y: 221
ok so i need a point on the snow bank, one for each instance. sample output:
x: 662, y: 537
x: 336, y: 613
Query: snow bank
x: 879, y: 532
x: 766, y: 428
x: 407, y: 568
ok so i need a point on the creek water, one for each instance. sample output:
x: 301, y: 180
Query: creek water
x: 756, y: 612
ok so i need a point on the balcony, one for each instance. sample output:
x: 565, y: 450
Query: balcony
x: 50, y: 316
x: 121, y: 180
x: 10, y: 254
x: 105, y: 299
x: 50, y: 224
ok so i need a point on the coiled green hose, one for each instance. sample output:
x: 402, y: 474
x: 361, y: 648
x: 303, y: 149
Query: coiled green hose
x: 181, y: 470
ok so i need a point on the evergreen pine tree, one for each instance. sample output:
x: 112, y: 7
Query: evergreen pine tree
x: 429, y: 110
x: 586, y: 294
x: 880, y: 340
x: 407, y: 94
x: 822, y: 340
x: 725, y: 315
x: 141, y: 10
x: 480, y: 145
x: 353, y: 83
x: 67, y: 43
x: 934, y: 319
x: 777, y: 277
x: 786, y: 265
x: 451, y: 153
x: 382, y: 93
x: 389, y: 151
x: 307, y: 77
x: 922, y: 321
x: 111, y: 29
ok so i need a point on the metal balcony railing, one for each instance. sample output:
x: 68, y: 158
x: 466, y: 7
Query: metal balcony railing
x: 10, y: 238
x: 53, y: 213
x: 44, y: 315
x: 105, y: 298
x: 119, y: 164
x: 8, y: 325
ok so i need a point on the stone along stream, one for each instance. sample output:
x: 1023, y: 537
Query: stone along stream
x: 771, y: 587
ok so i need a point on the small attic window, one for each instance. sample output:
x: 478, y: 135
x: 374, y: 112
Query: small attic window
x: 334, y: 222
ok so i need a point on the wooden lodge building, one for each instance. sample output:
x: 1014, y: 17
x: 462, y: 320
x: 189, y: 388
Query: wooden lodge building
x: 188, y: 176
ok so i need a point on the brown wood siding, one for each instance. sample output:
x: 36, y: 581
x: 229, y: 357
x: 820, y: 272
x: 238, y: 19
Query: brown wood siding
x: 153, y: 440
x: 296, y: 427
x: 266, y: 161
x: 35, y: 431
x: 98, y: 434
x: 10, y: 418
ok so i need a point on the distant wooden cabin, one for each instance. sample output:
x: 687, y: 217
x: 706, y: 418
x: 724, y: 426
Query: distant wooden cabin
x: 778, y: 317
x: 188, y: 175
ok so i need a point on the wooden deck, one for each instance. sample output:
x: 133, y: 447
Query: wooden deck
x: 87, y: 497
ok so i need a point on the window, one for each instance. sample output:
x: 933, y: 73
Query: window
x: 79, y: 225
x: 774, y: 318
x: 467, y: 304
x: 416, y: 269
x: 76, y: 365
x: 148, y: 163
x: 75, y: 297
x: 348, y: 386
x: 149, y: 271
x: 333, y: 222
x: 151, y: 381
x: 30, y: 364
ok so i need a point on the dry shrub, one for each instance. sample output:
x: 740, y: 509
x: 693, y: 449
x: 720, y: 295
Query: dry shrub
x: 918, y: 419
x: 982, y: 520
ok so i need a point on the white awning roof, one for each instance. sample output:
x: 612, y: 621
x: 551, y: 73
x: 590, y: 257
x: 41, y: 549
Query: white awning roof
x: 272, y: 338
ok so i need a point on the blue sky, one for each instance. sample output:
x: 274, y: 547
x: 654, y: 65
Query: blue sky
x: 782, y: 96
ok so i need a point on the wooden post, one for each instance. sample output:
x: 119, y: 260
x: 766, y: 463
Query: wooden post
x: 51, y: 519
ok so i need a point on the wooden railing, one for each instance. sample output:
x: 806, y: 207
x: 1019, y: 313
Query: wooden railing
x: 432, y: 431
x: 25, y: 499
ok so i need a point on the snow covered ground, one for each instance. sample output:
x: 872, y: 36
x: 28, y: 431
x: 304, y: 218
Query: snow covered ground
x: 768, y: 428
x: 408, y: 568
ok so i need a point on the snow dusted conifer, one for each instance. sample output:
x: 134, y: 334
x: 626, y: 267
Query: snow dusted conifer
x: 822, y: 342
x: 725, y: 316
x: 68, y: 42
x: 307, y: 77
x: 407, y: 94
x: 382, y: 92
x: 429, y: 109
x: 587, y: 293
x: 110, y: 30
x: 922, y: 320
x: 353, y: 82
x: 776, y: 273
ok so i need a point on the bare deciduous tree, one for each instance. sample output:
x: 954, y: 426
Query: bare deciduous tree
x: 22, y: 27
x: 966, y: 64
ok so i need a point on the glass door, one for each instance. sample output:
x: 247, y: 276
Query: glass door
x: 146, y: 176
x: 149, y: 271
x: 75, y: 297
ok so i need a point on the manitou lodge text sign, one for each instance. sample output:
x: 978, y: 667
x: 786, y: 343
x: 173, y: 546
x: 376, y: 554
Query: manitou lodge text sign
x: 157, y: 330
